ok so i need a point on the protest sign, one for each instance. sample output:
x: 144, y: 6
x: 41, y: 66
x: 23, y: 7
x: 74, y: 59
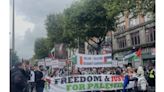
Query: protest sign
x: 84, y: 60
x: 53, y: 63
x: 87, y: 83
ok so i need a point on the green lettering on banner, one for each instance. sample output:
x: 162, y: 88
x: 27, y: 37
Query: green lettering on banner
x: 108, y: 86
x: 82, y: 86
x: 75, y: 87
x: 111, y: 85
x: 120, y: 85
x: 102, y: 85
x: 96, y: 86
x: 90, y: 85
x: 68, y: 87
x: 117, y: 85
x: 114, y: 85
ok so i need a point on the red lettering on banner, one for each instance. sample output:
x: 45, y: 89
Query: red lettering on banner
x: 117, y: 78
x: 113, y: 78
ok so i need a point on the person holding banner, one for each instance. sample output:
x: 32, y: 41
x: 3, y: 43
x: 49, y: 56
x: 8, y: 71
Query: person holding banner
x: 126, y: 82
x: 39, y: 79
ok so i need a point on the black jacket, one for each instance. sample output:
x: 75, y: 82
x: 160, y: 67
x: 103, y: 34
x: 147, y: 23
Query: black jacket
x: 38, y: 79
x: 18, y: 80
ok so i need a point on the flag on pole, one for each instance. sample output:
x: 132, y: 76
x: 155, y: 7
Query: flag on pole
x: 138, y: 53
x: 135, y: 58
x: 134, y: 55
x: 53, y: 50
x: 61, y: 48
x: 52, y: 54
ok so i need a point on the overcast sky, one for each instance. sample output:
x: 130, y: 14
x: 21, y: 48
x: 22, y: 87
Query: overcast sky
x: 29, y: 22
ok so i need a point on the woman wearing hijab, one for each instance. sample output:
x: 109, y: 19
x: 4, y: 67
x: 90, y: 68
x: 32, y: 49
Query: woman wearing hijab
x: 141, y: 83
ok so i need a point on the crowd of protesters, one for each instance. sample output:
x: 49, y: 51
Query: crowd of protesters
x: 140, y: 79
x: 87, y: 71
x: 27, y: 78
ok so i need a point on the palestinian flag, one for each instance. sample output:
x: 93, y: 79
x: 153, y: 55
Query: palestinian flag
x: 106, y: 59
x: 134, y: 56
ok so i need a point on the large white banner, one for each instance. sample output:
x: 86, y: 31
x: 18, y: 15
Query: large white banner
x: 80, y: 83
x: 52, y: 63
x: 84, y: 60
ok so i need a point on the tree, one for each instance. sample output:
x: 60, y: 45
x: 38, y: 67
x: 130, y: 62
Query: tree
x: 41, y: 49
x: 87, y: 19
x: 135, y: 7
x: 145, y: 6
x: 54, y: 26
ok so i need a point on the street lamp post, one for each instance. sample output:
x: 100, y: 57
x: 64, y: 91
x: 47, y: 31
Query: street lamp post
x: 13, y: 27
x: 12, y: 34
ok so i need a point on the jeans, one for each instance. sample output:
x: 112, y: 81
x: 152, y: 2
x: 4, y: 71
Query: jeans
x: 39, y: 89
x: 31, y: 86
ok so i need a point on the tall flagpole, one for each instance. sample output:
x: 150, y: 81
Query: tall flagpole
x: 13, y: 28
x: 13, y: 34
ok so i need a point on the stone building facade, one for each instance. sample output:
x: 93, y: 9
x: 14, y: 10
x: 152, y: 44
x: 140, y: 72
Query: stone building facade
x: 133, y: 33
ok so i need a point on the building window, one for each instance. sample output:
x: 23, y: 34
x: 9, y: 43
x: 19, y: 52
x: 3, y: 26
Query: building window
x: 121, y: 42
x: 135, y: 39
x: 150, y: 34
x: 148, y: 17
x: 133, y: 22
x: 121, y: 27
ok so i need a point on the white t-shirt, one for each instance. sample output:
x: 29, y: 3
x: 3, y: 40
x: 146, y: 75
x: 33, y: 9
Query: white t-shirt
x: 131, y: 83
x: 32, y: 76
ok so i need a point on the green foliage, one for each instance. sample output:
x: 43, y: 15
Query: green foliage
x: 136, y: 7
x: 89, y: 19
x: 145, y: 6
x: 41, y: 49
x: 54, y: 26
x: 86, y: 19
